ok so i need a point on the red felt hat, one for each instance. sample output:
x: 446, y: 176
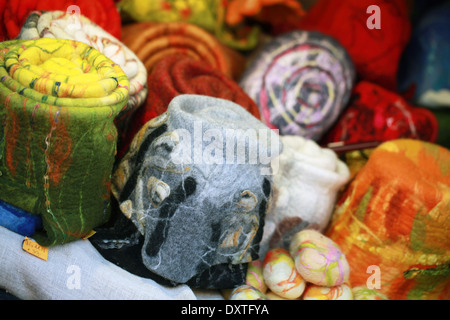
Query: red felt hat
x: 375, y: 52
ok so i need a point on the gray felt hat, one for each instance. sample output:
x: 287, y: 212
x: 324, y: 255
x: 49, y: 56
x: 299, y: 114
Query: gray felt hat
x: 196, y: 182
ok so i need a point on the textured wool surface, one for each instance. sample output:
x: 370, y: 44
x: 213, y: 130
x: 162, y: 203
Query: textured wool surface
x: 13, y: 14
x: 395, y: 215
x: 198, y: 202
x: 209, y: 15
x: 377, y: 114
x: 19, y: 221
x: 375, y: 52
x: 179, y: 74
x: 61, y: 25
x: 154, y: 41
x: 58, y: 138
x: 301, y: 82
x: 74, y: 271
x: 280, y: 15
x: 307, y: 179
x: 424, y: 67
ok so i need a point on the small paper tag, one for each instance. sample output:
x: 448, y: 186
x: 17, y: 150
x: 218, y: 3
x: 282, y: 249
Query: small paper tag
x: 90, y: 234
x: 35, y: 248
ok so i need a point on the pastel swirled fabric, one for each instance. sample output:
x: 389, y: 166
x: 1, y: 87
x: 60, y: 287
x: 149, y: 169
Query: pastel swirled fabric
x: 180, y: 74
x: 58, y: 101
x: 61, y: 25
x: 13, y: 14
x: 377, y: 114
x: 301, y: 82
x: 154, y: 41
x: 395, y: 215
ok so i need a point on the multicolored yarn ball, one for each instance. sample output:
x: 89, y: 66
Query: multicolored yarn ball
x: 255, y: 277
x: 341, y: 292
x: 246, y: 292
x: 301, y: 82
x: 318, y: 259
x: 58, y: 101
x: 394, y: 215
x: 281, y: 276
x: 364, y: 293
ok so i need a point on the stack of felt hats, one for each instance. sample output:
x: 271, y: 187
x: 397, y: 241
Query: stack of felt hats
x: 181, y: 142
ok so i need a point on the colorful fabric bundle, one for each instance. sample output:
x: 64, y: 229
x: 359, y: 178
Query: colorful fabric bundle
x: 180, y: 74
x: 13, y: 14
x: 394, y: 217
x: 172, y: 179
x: 425, y: 65
x: 154, y: 41
x: 306, y: 182
x: 207, y: 14
x: 58, y: 102
x: 58, y: 24
x: 280, y: 15
x: 377, y: 114
x: 301, y: 82
x: 375, y: 51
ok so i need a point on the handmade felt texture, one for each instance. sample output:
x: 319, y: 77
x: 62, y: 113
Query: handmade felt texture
x: 179, y: 74
x: 301, y: 82
x: 375, y: 52
x: 120, y: 242
x: 74, y: 271
x: 13, y: 14
x: 395, y: 215
x: 208, y: 15
x: 306, y: 183
x: 278, y: 16
x: 377, y: 114
x: 59, y: 24
x: 19, y: 221
x: 424, y: 68
x: 58, y: 138
x: 198, y: 204
x: 154, y: 41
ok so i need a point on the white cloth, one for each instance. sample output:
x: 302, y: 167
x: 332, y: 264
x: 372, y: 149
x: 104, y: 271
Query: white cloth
x: 74, y: 271
x: 307, y: 179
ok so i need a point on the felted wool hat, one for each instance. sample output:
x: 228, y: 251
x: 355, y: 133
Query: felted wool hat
x: 13, y: 14
x: 365, y: 29
x: 152, y: 41
x: 301, y: 82
x: 377, y: 114
x: 394, y: 218
x: 62, y: 25
x: 58, y: 101
x: 196, y: 183
x: 306, y: 182
x: 179, y: 74
x: 207, y: 14
x: 424, y: 68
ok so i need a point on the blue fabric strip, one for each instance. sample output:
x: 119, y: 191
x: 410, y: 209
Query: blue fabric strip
x: 18, y: 220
